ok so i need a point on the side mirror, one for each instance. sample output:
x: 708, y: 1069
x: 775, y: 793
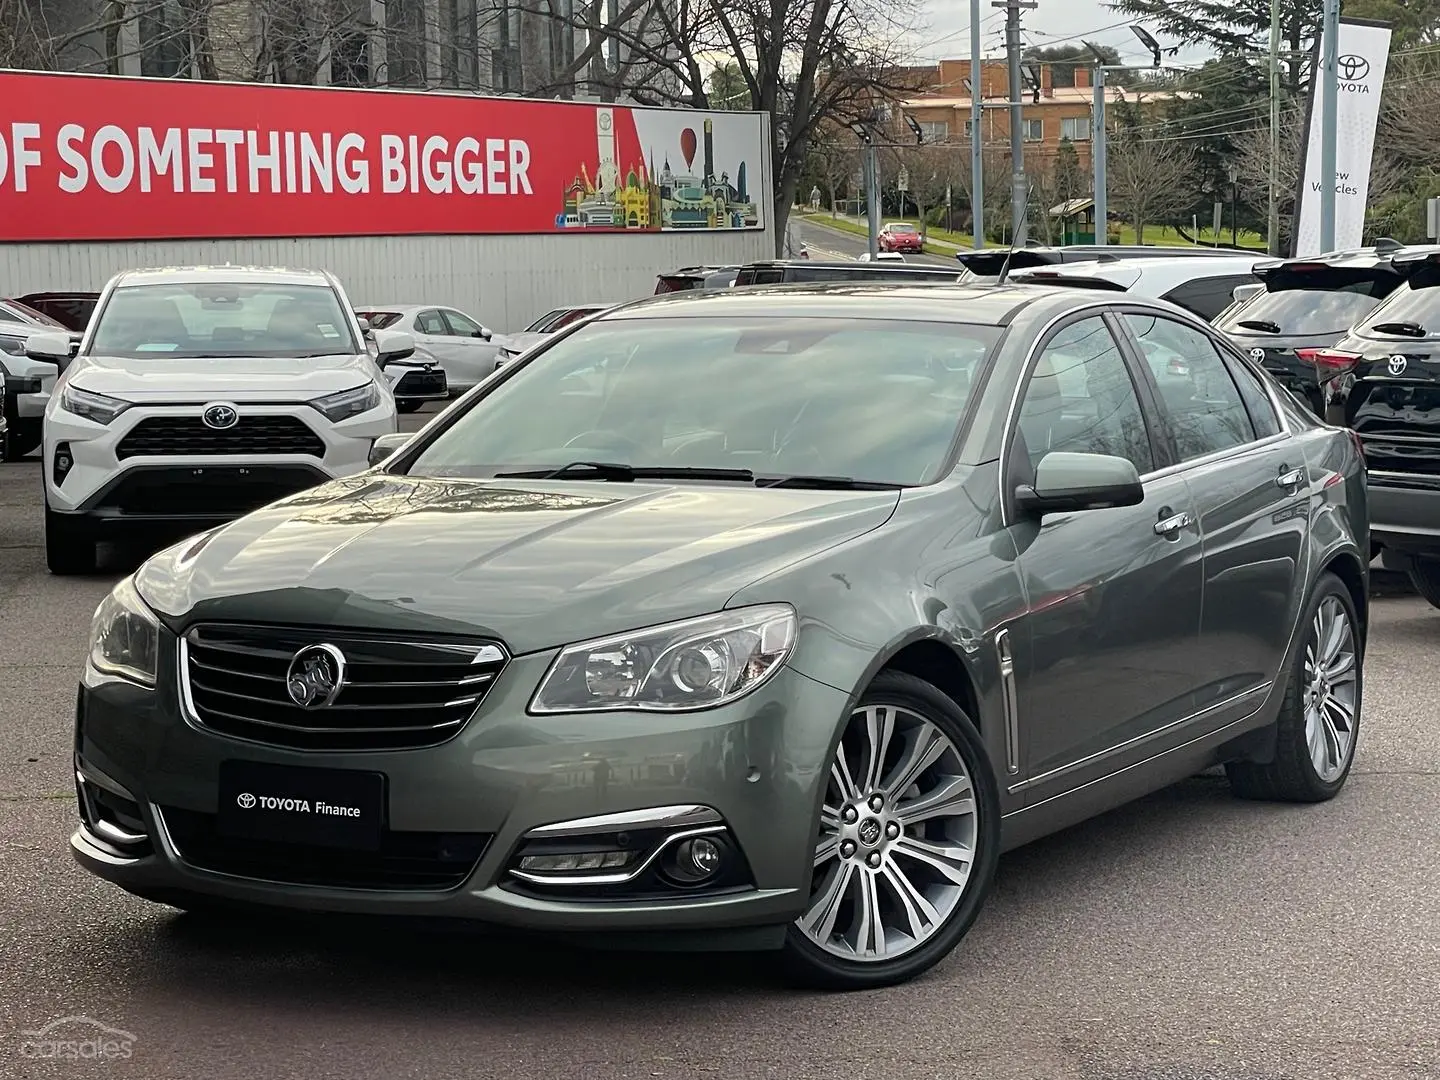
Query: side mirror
x: 386, y: 445
x: 1241, y: 293
x: 1067, y: 483
x: 365, y: 327
x: 484, y: 333
x: 393, y: 345
x: 53, y: 348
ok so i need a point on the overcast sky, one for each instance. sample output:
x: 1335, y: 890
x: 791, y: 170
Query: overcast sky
x: 1053, y: 22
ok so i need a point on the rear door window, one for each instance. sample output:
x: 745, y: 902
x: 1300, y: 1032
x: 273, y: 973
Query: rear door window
x: 1207, y: 296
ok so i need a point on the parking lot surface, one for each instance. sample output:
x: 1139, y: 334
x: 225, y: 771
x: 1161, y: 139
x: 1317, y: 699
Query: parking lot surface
x: 1188, y: 937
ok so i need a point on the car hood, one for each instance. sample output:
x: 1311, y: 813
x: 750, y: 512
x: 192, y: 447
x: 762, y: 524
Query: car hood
x: 534, y: 564
x: 518, y: 343
x: 234, y: 379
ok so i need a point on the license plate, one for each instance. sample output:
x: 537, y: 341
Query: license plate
x: 337, y: 808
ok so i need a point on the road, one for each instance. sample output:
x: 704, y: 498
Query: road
x: 1188, y: 937
x: 825, y: 242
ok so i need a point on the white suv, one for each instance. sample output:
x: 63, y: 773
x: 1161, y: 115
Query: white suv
x: 200, y: 394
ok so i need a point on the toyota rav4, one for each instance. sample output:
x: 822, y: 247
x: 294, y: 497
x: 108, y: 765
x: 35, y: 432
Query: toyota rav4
x: 200, y: 394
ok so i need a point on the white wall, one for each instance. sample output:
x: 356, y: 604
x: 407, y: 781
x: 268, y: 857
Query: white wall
x: 504, y: 281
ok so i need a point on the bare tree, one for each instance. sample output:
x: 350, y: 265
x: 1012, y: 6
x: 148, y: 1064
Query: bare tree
x: 931, y: 169
x: 835, y: 159
x: 1151, y: 178
x: 995, y: 178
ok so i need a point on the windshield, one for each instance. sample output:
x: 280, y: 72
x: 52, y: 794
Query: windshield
x: 1417, y: 302
x: 876, y: 400
x: 1312, y: 304
x: 895, y: 228
x: 222, y: 319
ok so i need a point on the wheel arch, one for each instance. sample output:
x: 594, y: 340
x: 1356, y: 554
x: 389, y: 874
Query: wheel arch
x: 1353, y: 574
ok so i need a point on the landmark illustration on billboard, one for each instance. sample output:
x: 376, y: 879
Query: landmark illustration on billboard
x: 690, y: 194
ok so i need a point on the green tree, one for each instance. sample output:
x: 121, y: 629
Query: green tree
x: 1064, y: 59
x: 1413, y: 22
x: 726, y: 87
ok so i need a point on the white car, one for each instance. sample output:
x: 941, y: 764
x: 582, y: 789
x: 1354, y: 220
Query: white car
x: 461, y: 346
x: 510, y: 346
x: 200, y: 394
x: 28, y: 383
x: 1204, y: 285
x: 881, y: 256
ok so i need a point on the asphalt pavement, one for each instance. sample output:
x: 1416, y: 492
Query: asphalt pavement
x: 1190, y: 936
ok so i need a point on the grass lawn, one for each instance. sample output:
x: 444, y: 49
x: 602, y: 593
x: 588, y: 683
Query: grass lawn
x: 1157, y: 235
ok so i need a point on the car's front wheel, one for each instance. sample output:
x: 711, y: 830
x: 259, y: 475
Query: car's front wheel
x: 1425, y: 577
x: 408, y: 406
x: 908, y: 842
x: 1319, y: 721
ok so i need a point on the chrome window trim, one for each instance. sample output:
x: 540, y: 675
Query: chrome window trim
x: 1007, y: 431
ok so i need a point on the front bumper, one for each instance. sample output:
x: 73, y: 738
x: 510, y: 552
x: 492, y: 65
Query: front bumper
x: 759, y: 764
x: 103, y: 456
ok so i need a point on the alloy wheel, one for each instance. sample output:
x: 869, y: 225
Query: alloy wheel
x: 1331, y: 690
x: 898, y: 836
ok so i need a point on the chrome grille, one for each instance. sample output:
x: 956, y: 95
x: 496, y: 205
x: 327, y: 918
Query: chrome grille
x: 398, y: 693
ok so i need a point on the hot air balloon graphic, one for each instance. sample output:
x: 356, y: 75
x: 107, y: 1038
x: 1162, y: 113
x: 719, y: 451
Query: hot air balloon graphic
x: 687, y: 146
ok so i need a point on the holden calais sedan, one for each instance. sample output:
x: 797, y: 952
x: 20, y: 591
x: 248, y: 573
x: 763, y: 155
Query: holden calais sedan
x: 758, y: 618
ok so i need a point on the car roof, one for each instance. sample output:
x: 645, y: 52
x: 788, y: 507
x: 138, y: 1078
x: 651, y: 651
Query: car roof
x: 1131, y: 271
x: 235, y: 275
x: 983, y: 303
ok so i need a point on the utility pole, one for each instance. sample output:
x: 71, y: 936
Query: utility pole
x: 1273, y: 218
x: 1330, y: 89
x: 1019, y: 189
x: 977, y: 147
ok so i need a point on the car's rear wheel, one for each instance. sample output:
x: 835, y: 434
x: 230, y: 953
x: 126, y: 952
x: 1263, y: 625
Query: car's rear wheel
x: 909, y: 838
x: 1319, y: 722
x: 69, y: 546
x: 13, y: 447
x: 1425, y: 576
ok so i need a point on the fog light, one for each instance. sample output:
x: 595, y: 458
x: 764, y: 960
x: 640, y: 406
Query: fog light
x: 696, y: 861
x: 575, y: 862
x: 64, y: 462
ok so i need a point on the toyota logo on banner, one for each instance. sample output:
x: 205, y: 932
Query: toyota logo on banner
x: 1352, y: 68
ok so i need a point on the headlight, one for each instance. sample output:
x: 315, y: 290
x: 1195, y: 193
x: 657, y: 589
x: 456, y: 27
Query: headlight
x: 695, y: 664
x: 13, y: 346
x: 125, y: 636
x: 348, y: 403
x: 92, y: 406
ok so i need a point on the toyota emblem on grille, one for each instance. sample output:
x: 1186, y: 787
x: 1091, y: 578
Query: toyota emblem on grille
x: 1397, y: 365
x: 219, y: 417
x: 316, y: 676
x: 1257, y: 355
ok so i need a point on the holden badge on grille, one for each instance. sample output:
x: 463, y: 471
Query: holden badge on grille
x: 316, y: 676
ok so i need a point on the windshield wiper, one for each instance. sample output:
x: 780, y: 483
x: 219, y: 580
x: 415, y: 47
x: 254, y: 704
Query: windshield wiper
x: 831, y: 483
x: 1400, y: 329
x: 1265, y: 326
x: 615, y: 471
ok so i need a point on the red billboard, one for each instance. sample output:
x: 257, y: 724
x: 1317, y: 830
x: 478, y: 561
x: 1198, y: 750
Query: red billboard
x: 108, y: 158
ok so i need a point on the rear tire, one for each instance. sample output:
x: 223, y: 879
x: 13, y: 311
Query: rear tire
x: 1425, y: 576
x: 12, y: 446
x: 1319, y: 722
x: 69, y: 547
x: 913, y: 840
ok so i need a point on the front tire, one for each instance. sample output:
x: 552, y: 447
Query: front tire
x: 1319, y: 722
x: 408, y: 406
x: 69, y: 547
x: 908, y: 844
x: 1425, y: 576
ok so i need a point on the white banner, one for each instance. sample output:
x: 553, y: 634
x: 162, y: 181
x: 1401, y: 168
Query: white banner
x: 1363, y: 52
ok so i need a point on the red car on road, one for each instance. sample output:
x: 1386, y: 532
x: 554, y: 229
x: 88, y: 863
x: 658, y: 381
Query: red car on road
x: 900, y: 236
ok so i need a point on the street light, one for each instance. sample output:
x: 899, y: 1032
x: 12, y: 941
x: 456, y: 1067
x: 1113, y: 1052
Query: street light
x: 872, y: 184
x: 1098, y: 132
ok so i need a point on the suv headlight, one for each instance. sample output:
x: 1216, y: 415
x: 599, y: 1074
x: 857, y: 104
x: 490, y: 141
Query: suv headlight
x: 92, y: 406
x: 695, y: 664
x: 348, y: 403
x: 125, y: 636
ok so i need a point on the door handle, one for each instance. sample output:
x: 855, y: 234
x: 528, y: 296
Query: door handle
x: 1168, y: 527
x: 1291, y: 479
